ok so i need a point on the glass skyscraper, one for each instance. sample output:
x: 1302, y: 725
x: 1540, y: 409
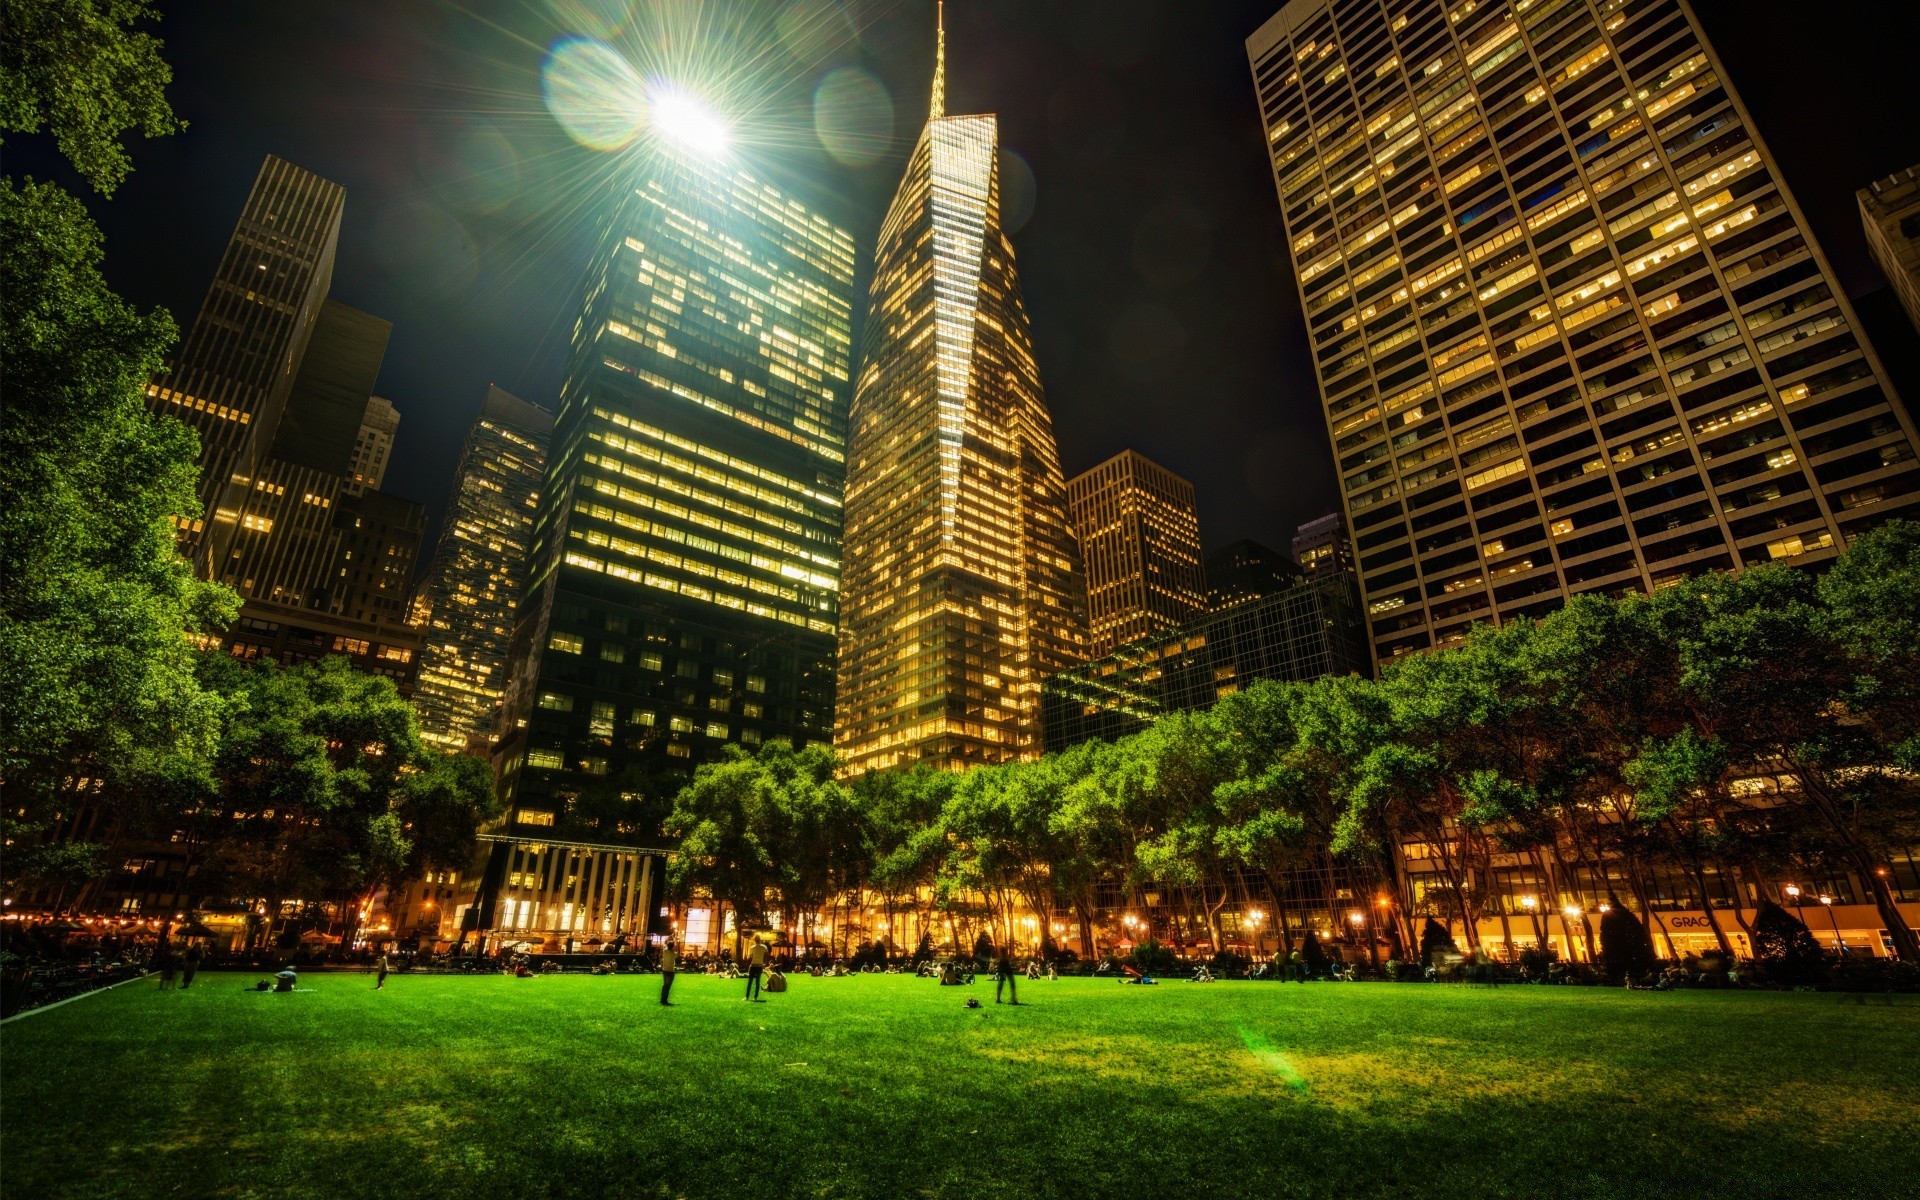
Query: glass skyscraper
x: 685, y: 552
x: 964, y: 584
x: 1572, y: 331
x: 466, y: 605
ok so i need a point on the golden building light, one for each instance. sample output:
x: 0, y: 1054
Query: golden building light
x: 963, y: 582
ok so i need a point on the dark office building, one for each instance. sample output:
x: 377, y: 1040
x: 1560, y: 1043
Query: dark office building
x: 1301, y: 632
x: 1245, y: 570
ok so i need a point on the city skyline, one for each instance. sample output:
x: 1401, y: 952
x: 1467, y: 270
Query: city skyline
x: 453, y: 342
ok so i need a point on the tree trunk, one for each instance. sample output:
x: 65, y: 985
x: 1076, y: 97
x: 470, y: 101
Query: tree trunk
x: 1706, y: 906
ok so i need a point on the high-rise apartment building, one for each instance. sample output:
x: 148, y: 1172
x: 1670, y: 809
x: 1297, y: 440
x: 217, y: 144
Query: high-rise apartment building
x: 1890, y: 213
x: 465, y: 606
x: 963, y: 579
x: 685, y: 552
x: 1571, y: 329
x: 1246, y: 570
x: 1139, y: 532
x: 231, y: 377
x: 1321, y: 548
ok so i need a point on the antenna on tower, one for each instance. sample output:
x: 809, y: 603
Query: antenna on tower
x: 939, y: 108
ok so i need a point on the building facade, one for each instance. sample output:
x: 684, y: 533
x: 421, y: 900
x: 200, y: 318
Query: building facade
x: 1572, y: 331
x: 1246, y: 570
x: 685, y: 550
x: 963, y: 584
x: 1890, y: 213
x: 1139, y: 532
x: 465, y: 606
x: 278, y: 381
x: 1301, y: 632
x: 231, y: 377
x: 1321, y: 548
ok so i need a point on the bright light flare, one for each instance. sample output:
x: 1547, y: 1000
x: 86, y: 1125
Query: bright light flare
x: 687, y: 121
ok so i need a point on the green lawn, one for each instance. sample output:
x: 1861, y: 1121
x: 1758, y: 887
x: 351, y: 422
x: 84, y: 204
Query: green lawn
x: 886, y: 1086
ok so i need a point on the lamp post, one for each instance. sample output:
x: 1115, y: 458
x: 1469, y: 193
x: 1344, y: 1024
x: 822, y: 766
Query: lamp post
x: 1839, y: 941
x: 1567, y: 916
x: 1532, y: 905
x: 1358, y: 919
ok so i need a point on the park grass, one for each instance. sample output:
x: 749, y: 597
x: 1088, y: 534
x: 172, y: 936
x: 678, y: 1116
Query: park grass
x: 886, y: 1086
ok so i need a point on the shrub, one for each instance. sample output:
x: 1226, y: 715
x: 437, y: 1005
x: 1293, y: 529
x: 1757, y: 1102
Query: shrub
x: 923, y: 953
x: 1435, y: 938
x: 1151, y: 958
x: 1783, y: 945
x: 1314, y: 955
x: 983, y: 951
x: 1625, y: 946
x: 1227, y: 964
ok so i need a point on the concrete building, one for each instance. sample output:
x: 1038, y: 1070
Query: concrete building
x: 1890, y: 213
x: 1571, y: 329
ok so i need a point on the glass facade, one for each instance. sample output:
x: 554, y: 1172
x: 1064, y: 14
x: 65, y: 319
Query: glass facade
x: 1572, y: 331
x: 685, y: 552
x: 465, y: 607
x: 1302, y: 632
x: 1139, y: 535
x: 964, y: 583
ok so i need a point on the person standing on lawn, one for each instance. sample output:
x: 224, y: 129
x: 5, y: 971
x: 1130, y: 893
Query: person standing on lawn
x: 1004, y: 975
x: 756, y: 967
x: 669, y: 963
x: 381, y: 969
x: 189, y: 965
x: 166, y: 964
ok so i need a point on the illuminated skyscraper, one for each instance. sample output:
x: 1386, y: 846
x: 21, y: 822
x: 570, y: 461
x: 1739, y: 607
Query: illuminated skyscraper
x: 685, y: 553
x: 1572, y: 331
x: 963, y: 582
x: 466, y: 604
x: 1139, y: 535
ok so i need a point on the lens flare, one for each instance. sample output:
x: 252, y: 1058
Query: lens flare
x: 853, y: 117
x: 593, y: 92
x: 684, y: 119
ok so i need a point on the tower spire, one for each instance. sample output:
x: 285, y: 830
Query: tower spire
x: 939, y: 108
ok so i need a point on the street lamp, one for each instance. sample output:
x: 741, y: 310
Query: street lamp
x: 1840, y: 941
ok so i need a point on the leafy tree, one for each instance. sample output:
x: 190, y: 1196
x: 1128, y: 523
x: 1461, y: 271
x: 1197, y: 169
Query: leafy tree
x: 741, y: 824
x: 97, y: 672
x: 82, y: 69
x: 320, y: 773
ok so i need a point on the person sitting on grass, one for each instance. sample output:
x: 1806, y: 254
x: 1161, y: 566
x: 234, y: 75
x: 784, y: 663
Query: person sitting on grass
x: 1202, y: 975
x: 949, y: 974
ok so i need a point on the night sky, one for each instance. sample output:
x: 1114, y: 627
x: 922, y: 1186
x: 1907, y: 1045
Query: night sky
x: 1151, y: 250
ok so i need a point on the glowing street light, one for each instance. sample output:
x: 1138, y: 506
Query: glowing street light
x: 1837, y: 938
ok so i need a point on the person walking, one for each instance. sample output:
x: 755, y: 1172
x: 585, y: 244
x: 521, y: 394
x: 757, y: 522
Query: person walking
x: 669, y: 963
x: 189, y: 966
x: 1005, y: 975
x: 166, y: 963
x: 380, y: 980
x: 756, y: 967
